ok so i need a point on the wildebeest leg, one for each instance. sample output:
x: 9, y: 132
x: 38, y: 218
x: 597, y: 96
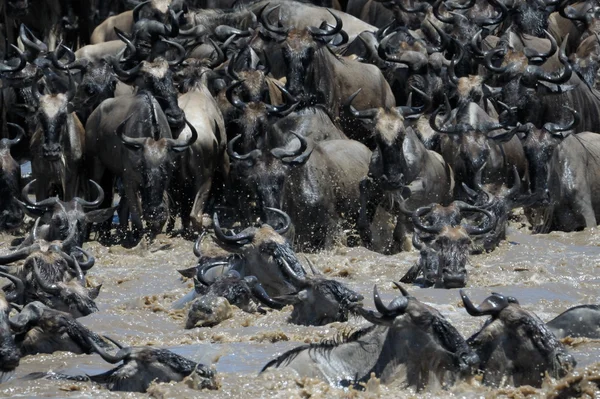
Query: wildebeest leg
x: 370, y: 197
x: 401, y: 242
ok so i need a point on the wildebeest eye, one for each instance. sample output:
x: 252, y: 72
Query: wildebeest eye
x: 90, y: 90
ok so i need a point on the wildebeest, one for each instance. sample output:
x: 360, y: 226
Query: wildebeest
x: 11, y: 216
x: 143, y: 365
x: 40, y: 329
x: 399, y: 160
x: 68, y: 221
x: 409, y: 341
x: 144, y: 158
x: 578, y: 321
x: 514, y: 346
x: 57, y: 146
x: 299, y: 182
x: 318, y: 301
x: 444, y: 244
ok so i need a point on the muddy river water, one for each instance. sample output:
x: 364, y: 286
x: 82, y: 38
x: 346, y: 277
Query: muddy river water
x: 547, y: 273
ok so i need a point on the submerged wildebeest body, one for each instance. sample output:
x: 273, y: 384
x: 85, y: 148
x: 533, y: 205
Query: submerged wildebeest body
x: 143, y: 365
x: 578, y: 321
x: 318, y: 301
x: 40, y: 329
x: 514, y: 346
x: 409, y: 342
x: 9, y: 353
x: 141, y: 153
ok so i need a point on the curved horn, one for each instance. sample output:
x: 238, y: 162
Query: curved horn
x: 87, y: 265
x: 555, y: 77
x: 494, y: 21
x: 286, y: 218
x: 235, y: 101
x: 41, y: 205
x: 492, y: 305
x: 364, y: 114
x: 297, y: 280
x: 220, y: 56
x: 252, y: 155
x: 19, y: 136
x: 488, y: 61
x: 202, y: 271
x: 22, y: 62
x: 556, y: 128
x: 328, y: 32
x: 401, y: 288
x: 80, y: 64
x: 542, y: 57
x: 475, y: 231
x: 19, y: 296
x: 198, y: 244
x: 231, y: 69
x: 264, y: 19
x: 391, y: 311
x: 130, y: 142
x: 123, y: 37
x: 281, y: 153
x: 18, y: 255
x: 285, y: 109
x: 180, y: 52
x: 49, y: 288
x: 121, y: 354
x: 181, y: 143
x: 30, y: 41
x: 122, y: 73
x: 138, y: 9
x: 96, y: 202
x: 240, y: 239
x: 436, y: 127
x: 439, y: 16
x: 259, y: 293
x: 416, y: 219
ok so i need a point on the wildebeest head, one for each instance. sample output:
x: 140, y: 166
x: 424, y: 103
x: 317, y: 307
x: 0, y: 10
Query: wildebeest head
x: 444, y: 254
x: 266, y: 253
x: 53, y: 123
x: 390, y: 134
x: 153, y: 160
x: 412, y: 321
x: 318, y: 301
x: 254, y: 88
x: 515, y: 344
x: 524, y: 81
x: 143, y: 365
x: 65, y: 221
x: 156, y: 77
x: 264, y: 174
x: 300, y: 48
x: 11, y: 215
x: 530, y: 16
x: 539, y: 146
x: 68, y: 296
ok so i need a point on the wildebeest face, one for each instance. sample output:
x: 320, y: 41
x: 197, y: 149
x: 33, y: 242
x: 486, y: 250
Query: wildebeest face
x: 298, y: 53
x: 516, y: 344
x: 157, y: 78
x: 52, y: 116
x: 98, y: 84
x: 531, y: 16
x: 539, y: 145
x: 390, y: 134
x: 452, y: 246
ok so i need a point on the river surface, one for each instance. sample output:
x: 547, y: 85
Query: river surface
x: 547, y: 273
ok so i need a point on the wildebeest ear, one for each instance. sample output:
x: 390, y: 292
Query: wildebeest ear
x: 554, y: 88
x: 94, y: 292
x: 190, y: 272
x: 100, y: 215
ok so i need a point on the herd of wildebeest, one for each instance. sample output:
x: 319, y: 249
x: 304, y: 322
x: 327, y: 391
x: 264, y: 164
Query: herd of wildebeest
x: 286, y: 126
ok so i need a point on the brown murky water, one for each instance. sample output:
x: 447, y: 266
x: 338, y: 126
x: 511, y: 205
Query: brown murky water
x: 547, y: 273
